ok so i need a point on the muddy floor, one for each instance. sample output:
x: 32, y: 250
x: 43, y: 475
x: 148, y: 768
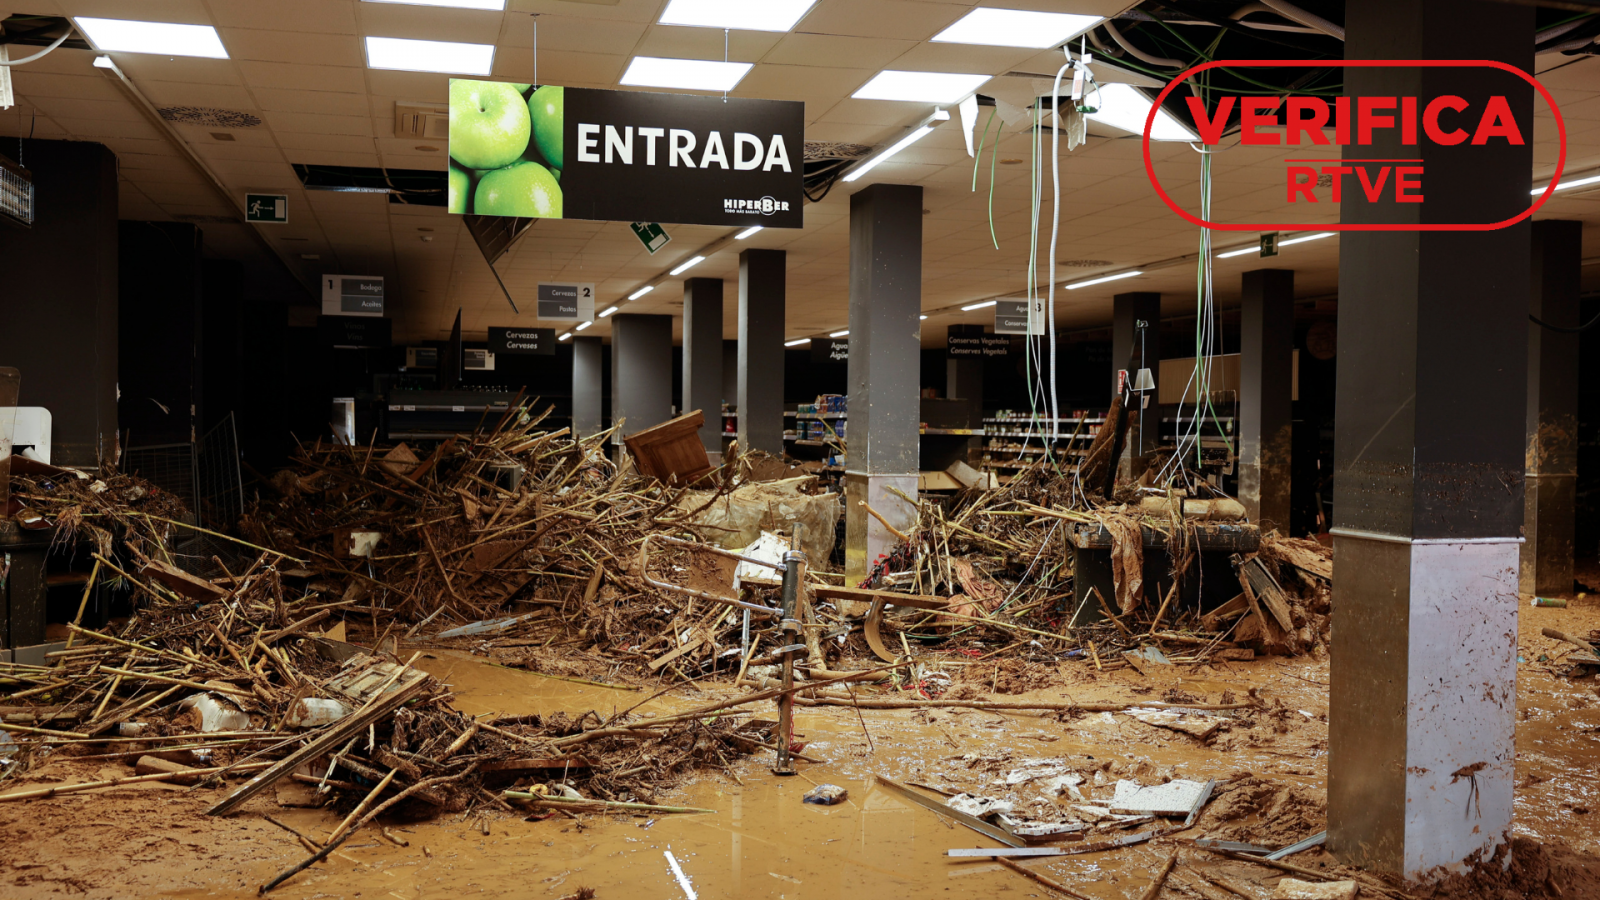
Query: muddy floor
x: 155, y: 841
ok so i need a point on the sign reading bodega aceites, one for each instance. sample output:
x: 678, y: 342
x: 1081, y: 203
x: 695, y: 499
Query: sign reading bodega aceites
x: 579, y: 153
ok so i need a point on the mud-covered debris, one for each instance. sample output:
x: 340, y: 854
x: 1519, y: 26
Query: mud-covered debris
x: 825, y: 795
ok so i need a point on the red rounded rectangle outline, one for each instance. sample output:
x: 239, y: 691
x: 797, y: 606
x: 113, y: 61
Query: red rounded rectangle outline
x: 1561, y: 128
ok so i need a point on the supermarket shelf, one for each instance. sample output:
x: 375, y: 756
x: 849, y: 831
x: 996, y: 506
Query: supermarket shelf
x: 966, y: 432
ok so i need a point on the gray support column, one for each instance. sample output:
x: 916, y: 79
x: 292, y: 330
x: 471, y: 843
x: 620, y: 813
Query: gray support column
x: 885, y: 370
x: 587, y: 394
x: 1266, y: 379
x: 64, y: 270
x: 1428, y: 457
x: 702, y: 358
x: 763, y: 278
x: 1130, y: 340
x: 1552, y: 448
x: 641, y: 371
x: 963, y: 380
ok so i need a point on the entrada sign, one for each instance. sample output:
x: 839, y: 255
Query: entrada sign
x: 581, y: 153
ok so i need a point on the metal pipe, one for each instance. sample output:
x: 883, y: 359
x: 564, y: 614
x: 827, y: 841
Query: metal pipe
x: 794, y: 567
x: 644, y: 571
x: 1311, y: 20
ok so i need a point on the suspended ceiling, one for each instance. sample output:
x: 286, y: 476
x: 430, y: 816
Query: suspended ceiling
x: 298, y: 66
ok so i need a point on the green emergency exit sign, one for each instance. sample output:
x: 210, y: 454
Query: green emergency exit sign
x: 651, y: 235
x: 272, y: 208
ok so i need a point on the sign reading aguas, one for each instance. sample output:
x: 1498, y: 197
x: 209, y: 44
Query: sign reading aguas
x: 581, y: 153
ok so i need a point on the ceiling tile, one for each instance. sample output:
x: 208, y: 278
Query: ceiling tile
x: 683, y: 42
x: 560, y: 67
x: 306, y: 123
x: 911, y: 20
x: 303, y: 77
x: 143, y: 69
x: 837, y: 50
x: 313, y: 16
x: 293, y: 47
x: 324, y: 103
x: 572, y: 33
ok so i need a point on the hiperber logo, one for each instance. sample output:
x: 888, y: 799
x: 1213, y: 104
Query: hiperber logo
x: 765, y: 206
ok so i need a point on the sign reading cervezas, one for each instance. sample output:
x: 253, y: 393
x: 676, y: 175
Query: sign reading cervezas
x: 579, y: 153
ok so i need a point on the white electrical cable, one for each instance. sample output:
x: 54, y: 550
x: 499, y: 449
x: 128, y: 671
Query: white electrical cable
x: 1055, y: 235
x: 28, y: 59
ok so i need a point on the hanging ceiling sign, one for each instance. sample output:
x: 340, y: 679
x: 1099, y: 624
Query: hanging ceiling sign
x: 522, y: 341
x: 830, y: 350
x: 354, y: 331
x: 972, y: 341
x: 630, y: 156
x: 352, y: 295
x: 566, y: 301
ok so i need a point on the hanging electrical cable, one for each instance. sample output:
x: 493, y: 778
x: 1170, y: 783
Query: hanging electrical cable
x: 42, y: 53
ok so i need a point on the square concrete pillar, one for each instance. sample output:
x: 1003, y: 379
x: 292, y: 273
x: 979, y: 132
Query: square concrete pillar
x: 641, y: 371
x: 885, y: 371
x: 702, y: 358
x: 1429, y: 457
x: 587, y: 391
x: 1552, y: 448
x: 1266, y: 380
x: 762, y: 284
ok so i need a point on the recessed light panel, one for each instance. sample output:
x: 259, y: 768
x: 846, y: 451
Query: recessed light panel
x: 1125, y: 107
x: 446, y: 57
x: 920, y: 87
x: 457, y: 4
x: 747, y: 15
x: 684, y: 74
x: 164, y: 38
x: 1016, y: 28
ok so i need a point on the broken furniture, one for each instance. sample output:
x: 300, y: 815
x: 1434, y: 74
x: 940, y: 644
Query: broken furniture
x: 1091, y: 548
x: 671, y: 451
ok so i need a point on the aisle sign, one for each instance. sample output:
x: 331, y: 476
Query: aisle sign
x: 967, y: 341
x: 830, y: 350
x: 352, y: 295
x: 354, y: 331
x: 523, y: 341
x: 1016, y: 317
x: 574, y: 302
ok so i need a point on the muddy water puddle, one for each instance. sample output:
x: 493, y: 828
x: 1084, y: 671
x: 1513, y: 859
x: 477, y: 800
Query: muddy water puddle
x: 761, y: 841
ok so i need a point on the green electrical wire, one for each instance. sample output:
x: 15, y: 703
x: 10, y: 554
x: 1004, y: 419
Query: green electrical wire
x: 994, y: 156
x: 977, y: 160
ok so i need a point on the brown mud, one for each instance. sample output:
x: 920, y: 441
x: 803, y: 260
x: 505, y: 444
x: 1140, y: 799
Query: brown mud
x: 154, y: 840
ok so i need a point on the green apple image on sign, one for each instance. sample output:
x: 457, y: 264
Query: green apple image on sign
x: 505, y: 149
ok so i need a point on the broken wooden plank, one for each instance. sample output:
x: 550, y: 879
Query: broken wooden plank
x: 181, y: 582
x: 537, y: 762
x: 332, y: 736
x: 917, y: 601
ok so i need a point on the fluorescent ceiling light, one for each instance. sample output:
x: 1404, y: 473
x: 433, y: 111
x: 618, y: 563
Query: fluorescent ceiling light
x: 104, y: 62
x: 1571, y: 183
x: 641, y: 292
x: 1103, y: 280
x: 1125, y: 107
x: 684, y: 74
x: 924, y: 317
x: 919, y: 87
x: 844, y: 333
x: 458, y: 4
x: 1240, y: 252
x: 1310, y: 237
x: 153, y: 37
x: 1016, y: 28
x: 748, y: 15
x: 979, y: 305
x: 688, y: 264
x: 446, y: 57
x: 797, y: 343
x: 564, y: 336
x: 607, y: 311
x: 748, y: 232
x: 584, y: 325
x: 916, y: 133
